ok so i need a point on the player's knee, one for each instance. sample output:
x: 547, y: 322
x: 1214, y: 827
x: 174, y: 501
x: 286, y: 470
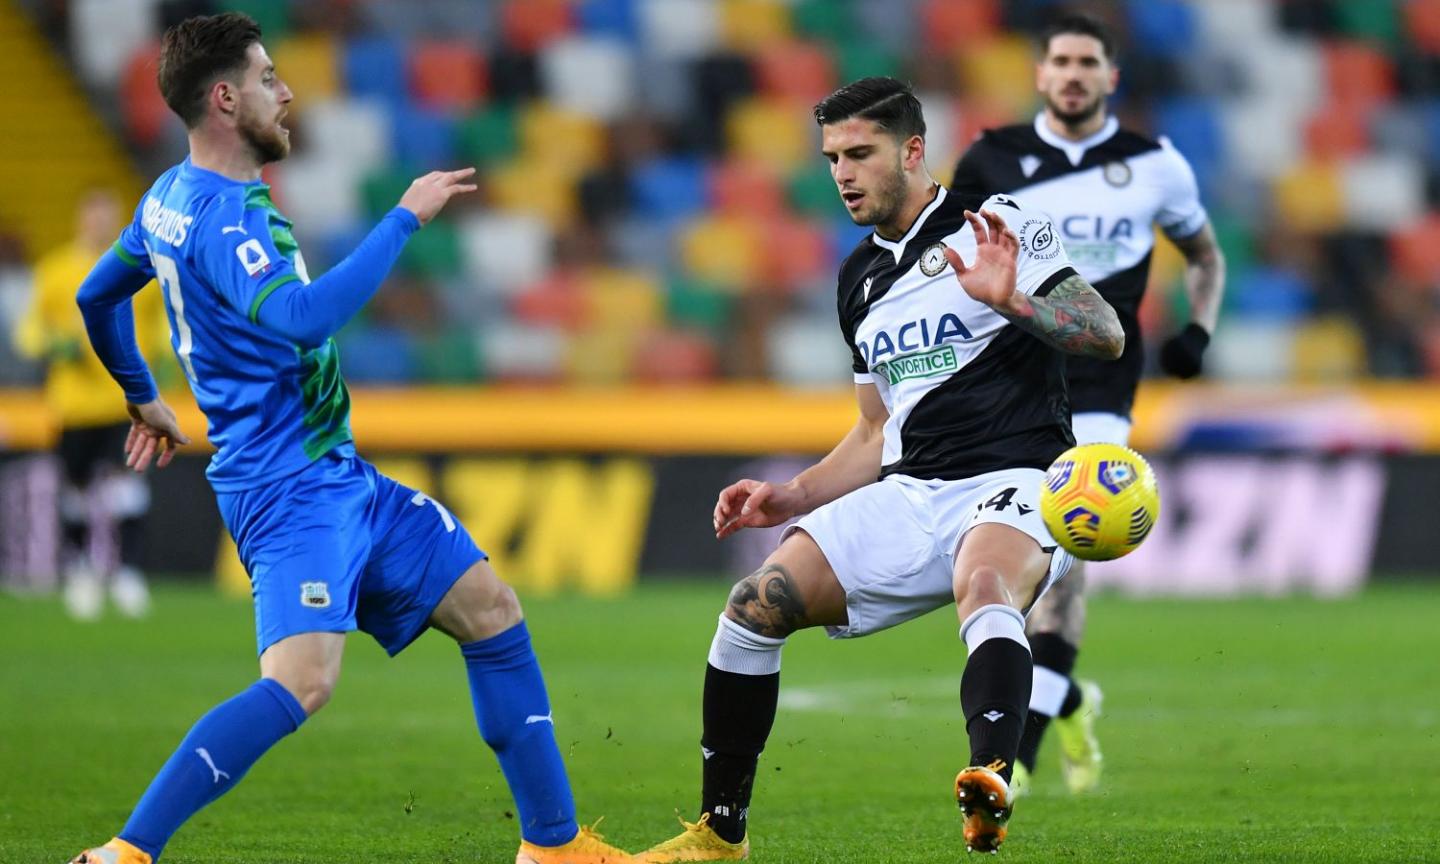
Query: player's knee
x: 312, y: 689
x: 979, y: 586
x: 766, y: 603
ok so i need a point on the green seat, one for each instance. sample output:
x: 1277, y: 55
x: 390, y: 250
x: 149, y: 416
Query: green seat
x: 273, y: 16
x: 823, y: 19
x: 449, y: 357
x: 697, y: 303
x: 812, y: 192
x: 862, y: 58
x: 433, y: 253
x: 488, y: 137
x: 381, y: 191
x: 1372, y: 20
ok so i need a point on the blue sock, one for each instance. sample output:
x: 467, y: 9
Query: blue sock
x: 514, y: 716
x: 216, y: 753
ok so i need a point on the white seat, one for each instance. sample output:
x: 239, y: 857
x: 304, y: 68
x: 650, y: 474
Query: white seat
x: 589, y: 75
x: 680, y: 28
x: 508, y: 250
x: 1383, y: 192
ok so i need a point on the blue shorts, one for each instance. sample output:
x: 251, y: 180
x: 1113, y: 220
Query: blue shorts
x: 340, y: 547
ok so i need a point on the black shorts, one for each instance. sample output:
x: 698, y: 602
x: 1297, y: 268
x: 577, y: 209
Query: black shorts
x: 83, y: 449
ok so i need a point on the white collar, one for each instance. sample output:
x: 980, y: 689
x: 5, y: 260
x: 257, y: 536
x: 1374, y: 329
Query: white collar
x: 1075, y: 150
x: 897, y: 247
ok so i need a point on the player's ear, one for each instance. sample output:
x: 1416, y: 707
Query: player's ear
x: 225, y: 96
x: 913, y: 152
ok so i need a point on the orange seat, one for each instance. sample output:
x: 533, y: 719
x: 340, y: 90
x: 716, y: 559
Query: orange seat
x: 621, y: 299
x: 950, y: 23
x: 1337, y: 131
x: 746, y: 188
x: 725, y: 251
x: 796, y: 252
x: 1358, y: 73
x: 751, y: 24
x: 447, y: 75
x: 799, y: 71
x: 1415, y: 251
x: 673, y: 356
x: 144, y: 108
x: 1422, y: 22
x: 772, y: 131
x: 555, y: 300
x: 529, y: 24
x: 999, y: 72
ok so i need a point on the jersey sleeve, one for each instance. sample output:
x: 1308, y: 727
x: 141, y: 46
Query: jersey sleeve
x: 235, y: 254
x: 1042, y: 262
x: 1181, y: 213
x: 130, y: 247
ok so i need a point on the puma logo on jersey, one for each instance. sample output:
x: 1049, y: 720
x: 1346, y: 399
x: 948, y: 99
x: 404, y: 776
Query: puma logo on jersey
x: 913, y: 336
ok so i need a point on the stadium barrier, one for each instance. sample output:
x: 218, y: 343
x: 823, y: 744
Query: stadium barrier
x: 588, y: 490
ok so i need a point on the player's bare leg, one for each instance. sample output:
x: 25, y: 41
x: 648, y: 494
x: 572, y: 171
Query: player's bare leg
x: 795, y: 588
x: 1055, y: 628
x: 997, y: 570
x: 483, y: 615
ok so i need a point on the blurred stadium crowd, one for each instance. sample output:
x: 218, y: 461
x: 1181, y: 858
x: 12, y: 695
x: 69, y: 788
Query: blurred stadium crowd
x: 653, y: 206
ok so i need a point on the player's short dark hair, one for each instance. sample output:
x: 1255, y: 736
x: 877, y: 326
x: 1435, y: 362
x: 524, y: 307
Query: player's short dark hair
x: 199, y: 51
x: 889, y: 102
x: 1080, y: 24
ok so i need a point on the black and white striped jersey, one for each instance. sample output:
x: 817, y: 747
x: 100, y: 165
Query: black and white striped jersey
x: 1105, y: 193
x: 967, y: 391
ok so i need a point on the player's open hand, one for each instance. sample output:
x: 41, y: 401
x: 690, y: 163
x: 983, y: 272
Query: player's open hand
x: 428, y: 195
x: 991, y: 279
x: 753, y: 504
x: 153, y: 429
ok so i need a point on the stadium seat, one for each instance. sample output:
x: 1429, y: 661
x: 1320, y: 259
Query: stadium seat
x: 1236, y: 23
x: 1400, y: 128
x: 273, y: 16
x: 779, y: 133
x: 813, y: 192
x: 590, y: 75
x: 381, y: 190
x: 310, y: 65
x: 646, y: 242
x: 506, y: 250
x: 106, y: 34
x: 1337, y: 132
x: 1193, y: 126
x: 692, y: 302
x: 1252, y: 349
x: 571, y: 142
x: 999, y: 72
x: 680, y: 28
x: 1328, y: 349
x: 796, y: 254
x: 621, y: 300
x: 448, y: 357
x: 1415, y: 250
x: 447, y: 75
x: 860, y: 57
x: 463, y: 20
x: 320, y: 193
x: 538, y: 187
x: 1358, y: 74
x: 555, y: 300
x: 1270, y: 292
x: 670, y: 188
x: 725, y: 251
x: 1369, y: 21
x: 803, y: 72
x: 1160, y: 27
x: 744, y: 188
x: 750, y: 25
x: 375, y: 68
x: 1430, y: 115
x: 528, y: 25
x: 1271, y: 154
x: 1422, y: 25
x: 946, y: 25
x: 352, y: 131
x: 1310, y: 198
x: 377, y: 353
x: 806, y: 351
x: 433, y: 253
x: 488, y: 136
x: 675, y: 356
x: 1383, y: 193
x: 422, y: 138
x: 599, y: 357
x: 828, y: 20
x: 141, y: 104
x: 514, y: 353
x: 616, y: 18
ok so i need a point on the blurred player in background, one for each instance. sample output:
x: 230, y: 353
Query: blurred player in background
x: 932, y: 497
x: 1106, y: 189
x: 330, y: 544
x: 97, y: 492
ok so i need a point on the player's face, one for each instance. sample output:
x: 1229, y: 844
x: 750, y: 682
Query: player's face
x: 264, y: 102
x: 868, y: 165
x: 1075, y: 77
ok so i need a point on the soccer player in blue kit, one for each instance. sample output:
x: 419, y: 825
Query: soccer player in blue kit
x: 331, y: 545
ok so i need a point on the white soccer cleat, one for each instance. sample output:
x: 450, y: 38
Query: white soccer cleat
x: 84, y: 593
x: 130, y: 593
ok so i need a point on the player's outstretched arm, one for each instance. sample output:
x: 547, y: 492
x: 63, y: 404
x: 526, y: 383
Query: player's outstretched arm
x: 854, y: 462
x: 1073, y: 317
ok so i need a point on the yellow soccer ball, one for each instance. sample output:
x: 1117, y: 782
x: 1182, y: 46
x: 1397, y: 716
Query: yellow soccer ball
x: 1099, y: 501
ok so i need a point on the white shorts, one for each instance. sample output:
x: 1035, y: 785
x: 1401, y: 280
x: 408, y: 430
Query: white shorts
x: 1100, y: 427
x: 892, y: 544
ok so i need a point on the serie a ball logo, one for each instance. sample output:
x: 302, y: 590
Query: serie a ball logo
x: 1099, y: 501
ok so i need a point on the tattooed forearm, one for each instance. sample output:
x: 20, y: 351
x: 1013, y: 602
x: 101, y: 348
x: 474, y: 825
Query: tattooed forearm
x: 766, y: 602
x: 1073, y: 317
x: 1204, y: 276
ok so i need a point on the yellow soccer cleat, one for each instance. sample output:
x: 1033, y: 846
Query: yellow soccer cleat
x: 698, y: 842
x: 1080, y: 758
x: 117, y: 851
x: 985, y: 801
x: 587, y: 847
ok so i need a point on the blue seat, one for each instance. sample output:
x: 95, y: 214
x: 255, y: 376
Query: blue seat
x: 1160, y: 27
x: 1272, y: 293
x: 423, y: 139
x: 608, y: 18
x: 1431, y: 118
x: 375, y: 67
x: 378, y: 353
x: 1193, y: 126
x: 670, y: 188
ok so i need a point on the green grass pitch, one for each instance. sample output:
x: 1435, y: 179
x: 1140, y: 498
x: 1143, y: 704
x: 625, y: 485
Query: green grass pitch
x: 1259, y: 730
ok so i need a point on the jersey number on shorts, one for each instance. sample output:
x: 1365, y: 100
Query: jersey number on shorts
x: 169, y: 276
x: 1002, y: 500
x: 421, y: 499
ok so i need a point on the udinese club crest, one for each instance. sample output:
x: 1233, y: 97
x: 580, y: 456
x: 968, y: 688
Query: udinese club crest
x: 932, y: 260
x: 1116, y: 173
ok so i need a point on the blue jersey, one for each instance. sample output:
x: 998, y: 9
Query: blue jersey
x: 219, y: 247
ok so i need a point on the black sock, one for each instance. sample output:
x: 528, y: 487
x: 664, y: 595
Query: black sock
x: 1072, y: 699
x: 739, y: 711
x: 131, y: 533
x: 1054, y: 653
x: 994, y: 692
x: 77, y: 538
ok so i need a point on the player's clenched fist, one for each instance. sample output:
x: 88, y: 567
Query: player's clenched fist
x: 753, y: 504
x: 427, y: 195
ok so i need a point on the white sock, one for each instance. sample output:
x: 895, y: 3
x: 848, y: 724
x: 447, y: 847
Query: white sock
x: 1047, y: 694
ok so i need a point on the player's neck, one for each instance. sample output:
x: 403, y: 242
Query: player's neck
x: 1080, y: 131
x: 228, y: 158
x: 920, y: 196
